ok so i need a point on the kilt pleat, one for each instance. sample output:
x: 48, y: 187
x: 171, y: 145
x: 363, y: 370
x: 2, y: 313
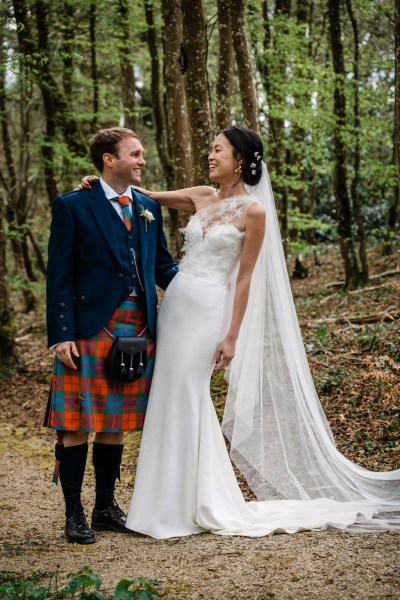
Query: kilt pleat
x: 87, y: 400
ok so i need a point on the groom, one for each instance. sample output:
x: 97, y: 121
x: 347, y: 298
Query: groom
x: 107, y: 252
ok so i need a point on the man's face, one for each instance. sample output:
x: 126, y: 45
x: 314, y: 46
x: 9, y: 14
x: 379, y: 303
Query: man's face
x: 128, y: 162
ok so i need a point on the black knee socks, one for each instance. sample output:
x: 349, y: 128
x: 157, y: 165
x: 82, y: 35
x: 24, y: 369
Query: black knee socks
x: 72, y: 470
x: 106, y: 462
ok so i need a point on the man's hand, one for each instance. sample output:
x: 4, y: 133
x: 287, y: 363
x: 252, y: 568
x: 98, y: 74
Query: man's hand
x: 87, y: 182
x: 224, y: 354
x: 65, y: 352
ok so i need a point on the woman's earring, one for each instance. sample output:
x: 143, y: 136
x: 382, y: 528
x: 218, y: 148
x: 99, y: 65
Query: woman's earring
x: 238, y: 169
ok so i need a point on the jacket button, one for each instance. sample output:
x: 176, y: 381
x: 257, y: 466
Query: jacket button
x: 130, y: 237
x: 130, y: 289
x: 64, y: 328
x: 133, y: 276
x: 82, y: 297
x: 62, y: 303
x: 120, y: 275
x: 61, y: 316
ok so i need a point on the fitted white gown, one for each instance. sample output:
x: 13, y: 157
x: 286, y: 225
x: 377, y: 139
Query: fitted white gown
x: 185, y: 483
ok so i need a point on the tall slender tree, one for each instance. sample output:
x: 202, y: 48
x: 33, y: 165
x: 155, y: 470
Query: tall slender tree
x: 225, y: 66
x: 128, y: 83
x: 355, y: 184
x: 244, y: 63
x: 195, y: 77
x: 343, y: 206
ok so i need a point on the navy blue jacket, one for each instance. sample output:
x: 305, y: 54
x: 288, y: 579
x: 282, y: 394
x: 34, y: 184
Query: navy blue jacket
x: 86, y: 276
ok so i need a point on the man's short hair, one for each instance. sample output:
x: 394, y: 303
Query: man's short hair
x: 106, y: 141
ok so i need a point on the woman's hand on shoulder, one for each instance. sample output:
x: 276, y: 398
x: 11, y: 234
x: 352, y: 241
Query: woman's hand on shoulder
x: 87, y: 182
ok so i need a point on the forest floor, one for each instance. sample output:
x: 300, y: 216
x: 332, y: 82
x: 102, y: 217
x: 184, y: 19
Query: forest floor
x: 353, y: 345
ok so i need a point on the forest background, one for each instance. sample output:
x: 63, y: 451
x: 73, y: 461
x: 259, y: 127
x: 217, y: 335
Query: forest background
x: 320, y: 81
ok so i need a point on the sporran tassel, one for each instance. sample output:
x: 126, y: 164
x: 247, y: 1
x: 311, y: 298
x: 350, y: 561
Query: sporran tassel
x: 123, y: 367
x: 140, y: 370
x: 131, y: 369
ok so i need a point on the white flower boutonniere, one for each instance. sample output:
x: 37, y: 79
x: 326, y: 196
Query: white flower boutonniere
x: 146, y: 215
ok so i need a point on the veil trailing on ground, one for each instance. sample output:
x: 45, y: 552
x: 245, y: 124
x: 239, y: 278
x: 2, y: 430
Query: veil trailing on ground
x: 279, y: 435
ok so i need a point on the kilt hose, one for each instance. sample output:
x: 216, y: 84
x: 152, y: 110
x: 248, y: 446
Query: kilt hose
x: 87, y: 400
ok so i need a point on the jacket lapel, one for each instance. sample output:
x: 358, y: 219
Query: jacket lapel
x: 142, y: 233
x: 101, y: 212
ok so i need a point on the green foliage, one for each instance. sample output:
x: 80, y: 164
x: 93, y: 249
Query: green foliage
x: 83, y: 585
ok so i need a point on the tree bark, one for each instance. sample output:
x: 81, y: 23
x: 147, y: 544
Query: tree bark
x: 68, y: 38
x: 93, y: 62
x: 8, y: 356
x: 177, y: 113
x: 195, y: 78
x: 343, y: 207
x: 159, y: 120
x: 225, y: 66
x: 128, y: 85
x: 247, y: 80
x: 355, y: 194
x: 394, y: 211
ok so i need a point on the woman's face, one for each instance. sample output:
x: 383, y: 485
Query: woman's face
x: 221, y: 161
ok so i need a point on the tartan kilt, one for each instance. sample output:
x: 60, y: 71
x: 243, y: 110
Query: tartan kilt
x: 87, y: 400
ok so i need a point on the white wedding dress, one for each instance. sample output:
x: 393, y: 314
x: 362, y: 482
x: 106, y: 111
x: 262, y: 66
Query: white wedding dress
x: 185, y: 483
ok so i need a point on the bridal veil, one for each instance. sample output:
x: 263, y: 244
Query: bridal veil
x: 279, y: 435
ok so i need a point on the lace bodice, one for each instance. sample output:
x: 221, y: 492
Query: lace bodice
x: 214, y: 238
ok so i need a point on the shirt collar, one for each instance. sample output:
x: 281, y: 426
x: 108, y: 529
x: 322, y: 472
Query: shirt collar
x: 112, y: 194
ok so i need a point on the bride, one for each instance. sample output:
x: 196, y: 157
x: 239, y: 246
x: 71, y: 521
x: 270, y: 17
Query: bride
x: 230, y: 306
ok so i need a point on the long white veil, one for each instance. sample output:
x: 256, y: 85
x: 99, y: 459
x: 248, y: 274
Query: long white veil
x: 280, y: 438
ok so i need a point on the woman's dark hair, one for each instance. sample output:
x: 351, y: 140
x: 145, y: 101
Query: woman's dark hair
x: 247, y: 146
x: 106, y: 141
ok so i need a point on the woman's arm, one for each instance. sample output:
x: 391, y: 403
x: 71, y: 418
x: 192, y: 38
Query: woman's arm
x: 189, y: 199
x: 254, y: 236
x: 184, y: 199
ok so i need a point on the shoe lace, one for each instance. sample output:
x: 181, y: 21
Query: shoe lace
x: 80, y: 520
x: 118, y: 510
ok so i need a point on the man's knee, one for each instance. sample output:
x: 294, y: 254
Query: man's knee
x: 74, y: 438
x: 110, y: 437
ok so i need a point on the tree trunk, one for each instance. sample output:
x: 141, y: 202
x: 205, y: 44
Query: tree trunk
x: 68, y: 33
x: 196, y: 85
x: 93, y: 62
x: 8, y: 355
x: 247, y: 81
x: 159, y: 120
x: 355, y: 195
x: 128, y: 85
x: 225, y: 66
x: 177, y: 113
x: 394, y: 211
x: 343, y: 207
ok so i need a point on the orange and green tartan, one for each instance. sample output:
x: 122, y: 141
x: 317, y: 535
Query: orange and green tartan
x: 87, y: 400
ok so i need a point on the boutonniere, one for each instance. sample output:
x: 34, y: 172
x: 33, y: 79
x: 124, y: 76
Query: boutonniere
x: 146, y: 215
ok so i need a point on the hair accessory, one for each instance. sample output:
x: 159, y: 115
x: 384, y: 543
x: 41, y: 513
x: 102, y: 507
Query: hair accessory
x: 253, y: 166
x: 253, y: 172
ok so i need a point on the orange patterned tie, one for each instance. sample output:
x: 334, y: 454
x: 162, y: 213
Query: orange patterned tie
x: 124, y: 202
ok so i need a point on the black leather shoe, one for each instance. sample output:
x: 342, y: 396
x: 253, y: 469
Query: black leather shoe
x: 109, y: 519
x: 77, y: 530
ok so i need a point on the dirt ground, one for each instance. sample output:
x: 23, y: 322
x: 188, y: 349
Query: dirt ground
x: 320, y: 565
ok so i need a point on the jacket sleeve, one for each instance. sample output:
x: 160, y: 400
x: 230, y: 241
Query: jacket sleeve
x: 165, y: 266
x: 60, y: 275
